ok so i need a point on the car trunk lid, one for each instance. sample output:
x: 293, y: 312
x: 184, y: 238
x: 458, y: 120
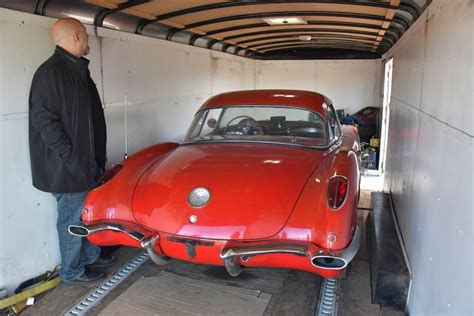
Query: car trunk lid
x: 253, y: 189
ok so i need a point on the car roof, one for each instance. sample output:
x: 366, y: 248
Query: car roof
x: 312, y: 101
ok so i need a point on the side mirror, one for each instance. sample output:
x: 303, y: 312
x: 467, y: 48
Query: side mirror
x: 212, y: 123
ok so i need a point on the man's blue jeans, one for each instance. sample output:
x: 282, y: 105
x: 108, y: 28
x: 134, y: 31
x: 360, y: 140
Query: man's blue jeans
x: 76, y: 252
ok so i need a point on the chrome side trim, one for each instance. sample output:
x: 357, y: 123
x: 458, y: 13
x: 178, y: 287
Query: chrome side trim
x: 84, y: 231
x: 261, y: 250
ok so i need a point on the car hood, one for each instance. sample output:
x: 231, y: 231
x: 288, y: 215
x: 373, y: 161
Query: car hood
x: 253, y: 189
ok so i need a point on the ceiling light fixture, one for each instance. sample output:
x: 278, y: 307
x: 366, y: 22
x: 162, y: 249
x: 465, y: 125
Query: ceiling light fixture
x: 304, y: 37
x: 284, y: 20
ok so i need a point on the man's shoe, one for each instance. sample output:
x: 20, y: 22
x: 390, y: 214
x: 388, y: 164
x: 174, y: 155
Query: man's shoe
x: 89, y: 276
x: 102, y: 262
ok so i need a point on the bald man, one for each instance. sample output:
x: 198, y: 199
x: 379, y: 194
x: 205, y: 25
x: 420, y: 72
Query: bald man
x: 67, y: 137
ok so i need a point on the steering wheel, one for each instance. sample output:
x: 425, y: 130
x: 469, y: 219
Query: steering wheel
x: 247, y: 126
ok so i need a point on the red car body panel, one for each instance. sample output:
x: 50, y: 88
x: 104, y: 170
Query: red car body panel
x: 254, y: 189
x: 261, y: 194
x: 113, y: 202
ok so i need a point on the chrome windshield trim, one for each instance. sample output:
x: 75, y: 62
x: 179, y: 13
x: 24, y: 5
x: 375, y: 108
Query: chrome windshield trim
x: 240, y: 141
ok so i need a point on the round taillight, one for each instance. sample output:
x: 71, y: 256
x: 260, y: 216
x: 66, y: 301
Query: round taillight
x: 337, y: 191
x: 109, y: 174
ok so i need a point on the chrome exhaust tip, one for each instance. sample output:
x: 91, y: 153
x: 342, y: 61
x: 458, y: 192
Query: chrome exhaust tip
x: 85, y: 231
x: 79, y: 231
x: 329, y: 262
x: 149, y: 245
x: 340, y: 259
x: 232, y: 266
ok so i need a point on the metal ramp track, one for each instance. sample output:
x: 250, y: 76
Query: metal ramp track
x: 96, y: 295
x: 327, y: 304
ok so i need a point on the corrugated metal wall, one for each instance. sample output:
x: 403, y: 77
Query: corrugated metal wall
x: 430, y: 156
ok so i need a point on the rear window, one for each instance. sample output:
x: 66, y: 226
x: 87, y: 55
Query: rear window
x: 286, y: 125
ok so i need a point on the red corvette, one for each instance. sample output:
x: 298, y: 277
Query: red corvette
x: 264, y: 178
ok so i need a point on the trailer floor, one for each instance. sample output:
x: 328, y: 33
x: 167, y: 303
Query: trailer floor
x: 292, y: 292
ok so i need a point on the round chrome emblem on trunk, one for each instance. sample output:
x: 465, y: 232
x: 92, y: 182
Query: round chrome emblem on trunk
x: 199, y: 197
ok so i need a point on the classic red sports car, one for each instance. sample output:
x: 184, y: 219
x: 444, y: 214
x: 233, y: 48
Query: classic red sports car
x: 264, y: 178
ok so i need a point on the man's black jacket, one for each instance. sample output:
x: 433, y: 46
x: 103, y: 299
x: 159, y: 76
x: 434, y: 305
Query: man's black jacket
x: 67, y: 132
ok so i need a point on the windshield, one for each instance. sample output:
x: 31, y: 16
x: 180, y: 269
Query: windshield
x: 260, y: 124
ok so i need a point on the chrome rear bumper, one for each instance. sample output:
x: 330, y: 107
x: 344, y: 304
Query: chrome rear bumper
x: 262, y: 250
x: 320, y: 258
x: 147, y: 243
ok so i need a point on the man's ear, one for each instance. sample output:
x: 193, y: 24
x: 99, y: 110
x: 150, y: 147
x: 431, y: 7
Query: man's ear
x: 75, y: 37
